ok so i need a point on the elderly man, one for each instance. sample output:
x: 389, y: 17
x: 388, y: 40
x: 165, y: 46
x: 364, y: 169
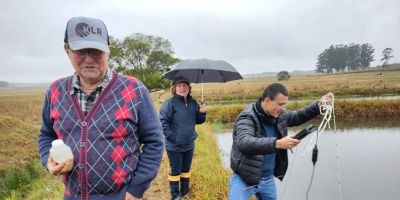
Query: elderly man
x: 260, y: 143
x: 108, y: 120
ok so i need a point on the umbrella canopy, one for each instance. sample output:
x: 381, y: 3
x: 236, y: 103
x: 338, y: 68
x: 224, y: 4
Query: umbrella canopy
x: 204, y: 71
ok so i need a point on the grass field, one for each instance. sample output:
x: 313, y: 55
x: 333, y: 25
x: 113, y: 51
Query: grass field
x: 21, y: 176
x: 372, y: 82
x: 360, y: 109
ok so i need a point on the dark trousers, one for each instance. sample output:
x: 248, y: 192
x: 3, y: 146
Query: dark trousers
x: 179, y: 163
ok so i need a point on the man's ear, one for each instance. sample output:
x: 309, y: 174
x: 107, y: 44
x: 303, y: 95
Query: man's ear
x: 66, y: 48
x: 266, y: 99
x: 265, y: 102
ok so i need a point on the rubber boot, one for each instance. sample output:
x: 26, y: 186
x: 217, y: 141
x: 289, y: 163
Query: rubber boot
x: 185, y: 187
x: 174, y: 188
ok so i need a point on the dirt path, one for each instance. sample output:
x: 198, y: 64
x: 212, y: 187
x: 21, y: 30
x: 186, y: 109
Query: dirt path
x: 159, y: 188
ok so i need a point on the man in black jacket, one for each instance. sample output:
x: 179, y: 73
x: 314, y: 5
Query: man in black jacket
x: 260, y: 143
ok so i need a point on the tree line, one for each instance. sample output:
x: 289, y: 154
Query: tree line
x: 338, y: 58
x: 345, y: 58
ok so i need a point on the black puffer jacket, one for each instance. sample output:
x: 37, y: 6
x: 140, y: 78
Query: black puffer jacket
x: 250, y: 145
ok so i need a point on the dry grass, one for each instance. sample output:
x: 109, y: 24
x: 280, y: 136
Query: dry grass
x: 159, y: 188
x: 368, y: 109
x: 361, y: 83
x: 26, y: 107
x: 359, y: 109
x: 17, y: 142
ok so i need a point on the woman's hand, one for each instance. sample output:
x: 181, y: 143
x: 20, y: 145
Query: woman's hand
x: 202, y: 108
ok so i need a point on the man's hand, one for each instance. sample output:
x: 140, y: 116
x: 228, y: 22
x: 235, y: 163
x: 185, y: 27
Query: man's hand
x: 57, y: 169
x: 287, y: 142
x: 328, y: 98
x: 128, y: 196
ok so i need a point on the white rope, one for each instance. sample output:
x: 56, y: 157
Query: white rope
x: 327, y: 110
x: 291, y: 163
x: 337, y: 156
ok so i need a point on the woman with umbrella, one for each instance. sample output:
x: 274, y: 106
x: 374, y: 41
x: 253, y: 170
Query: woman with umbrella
x: 179, y: 115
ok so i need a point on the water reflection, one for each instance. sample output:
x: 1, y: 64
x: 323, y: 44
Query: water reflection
x: 369, y: 155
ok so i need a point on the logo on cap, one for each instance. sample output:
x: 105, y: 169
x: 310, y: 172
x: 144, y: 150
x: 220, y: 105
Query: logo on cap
x: 83, y: 30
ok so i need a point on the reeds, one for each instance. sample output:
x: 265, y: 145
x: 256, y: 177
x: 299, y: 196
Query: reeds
x: 375, y: 108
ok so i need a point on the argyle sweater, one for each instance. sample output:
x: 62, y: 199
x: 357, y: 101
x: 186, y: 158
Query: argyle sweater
x: 117, y: 145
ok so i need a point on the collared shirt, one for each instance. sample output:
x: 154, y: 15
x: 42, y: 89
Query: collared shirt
x: 87, y: 100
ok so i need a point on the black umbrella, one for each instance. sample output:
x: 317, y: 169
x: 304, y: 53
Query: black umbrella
x: 204, y: 71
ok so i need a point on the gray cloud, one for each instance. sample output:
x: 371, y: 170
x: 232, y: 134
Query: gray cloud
x: 254, y: 36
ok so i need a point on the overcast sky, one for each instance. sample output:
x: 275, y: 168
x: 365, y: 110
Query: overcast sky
x: 253, y: 35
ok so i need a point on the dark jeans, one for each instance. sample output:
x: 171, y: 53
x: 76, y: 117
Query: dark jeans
x: 180, y: 162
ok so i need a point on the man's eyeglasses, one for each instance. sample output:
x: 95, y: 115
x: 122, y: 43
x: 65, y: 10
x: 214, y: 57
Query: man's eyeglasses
x: 94, y: 53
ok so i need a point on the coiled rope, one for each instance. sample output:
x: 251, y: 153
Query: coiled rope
x: 327, y: 110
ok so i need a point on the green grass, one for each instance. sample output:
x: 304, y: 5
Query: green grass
x: 209, y: 179
x: 16, y: 180
x: 216, y: 127
x: 46, y: 187
x: 30, y: 182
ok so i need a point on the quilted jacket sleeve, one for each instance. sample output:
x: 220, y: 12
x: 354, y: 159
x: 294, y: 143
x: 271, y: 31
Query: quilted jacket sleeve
x: 301, y: 116
x: 245, y: 138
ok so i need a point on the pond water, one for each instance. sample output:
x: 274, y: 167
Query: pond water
x: 369, y: 162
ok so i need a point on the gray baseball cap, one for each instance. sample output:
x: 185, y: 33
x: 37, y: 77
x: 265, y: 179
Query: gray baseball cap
x: 85, y: 33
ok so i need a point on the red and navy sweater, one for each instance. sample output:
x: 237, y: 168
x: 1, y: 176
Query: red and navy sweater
x: 117, y: 145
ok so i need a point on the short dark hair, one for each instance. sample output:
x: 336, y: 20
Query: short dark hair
x: 273, y: 90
